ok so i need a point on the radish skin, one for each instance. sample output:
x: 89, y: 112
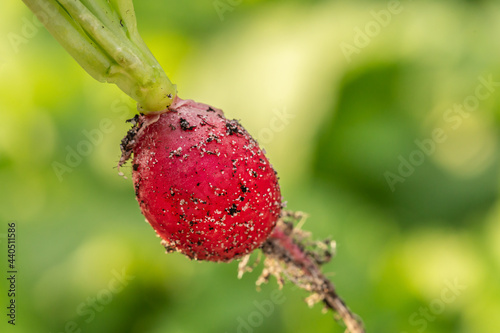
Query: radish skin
x: 203, y: 183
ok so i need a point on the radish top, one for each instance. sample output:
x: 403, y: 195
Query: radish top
x: 102, y: 36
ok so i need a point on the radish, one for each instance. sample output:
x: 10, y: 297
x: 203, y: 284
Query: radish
x: 201, y: 180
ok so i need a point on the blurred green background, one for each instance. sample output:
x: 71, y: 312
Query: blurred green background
x: 344, y: 99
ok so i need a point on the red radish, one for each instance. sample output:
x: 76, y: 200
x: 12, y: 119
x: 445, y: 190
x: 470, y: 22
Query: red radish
x: 202, y: 182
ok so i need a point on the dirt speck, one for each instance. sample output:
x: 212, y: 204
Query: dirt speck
x: 185, y: 126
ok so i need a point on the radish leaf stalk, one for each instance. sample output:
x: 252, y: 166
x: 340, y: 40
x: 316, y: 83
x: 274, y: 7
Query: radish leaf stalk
x: 102, y: 36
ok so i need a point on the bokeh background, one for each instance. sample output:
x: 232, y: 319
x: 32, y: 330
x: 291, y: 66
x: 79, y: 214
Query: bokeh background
x: 339, y: 101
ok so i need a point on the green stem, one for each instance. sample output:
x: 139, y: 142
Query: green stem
x: 102, y: 36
